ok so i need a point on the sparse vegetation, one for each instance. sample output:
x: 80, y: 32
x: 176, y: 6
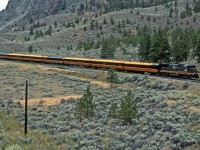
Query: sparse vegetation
x: 150, y: 105
x: 141, y: 112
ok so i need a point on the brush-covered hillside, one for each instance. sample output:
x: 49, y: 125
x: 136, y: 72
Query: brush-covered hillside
x: 126, y: 30
x: 77, y: 108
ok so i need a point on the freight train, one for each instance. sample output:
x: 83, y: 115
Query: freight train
x: 162, y: 69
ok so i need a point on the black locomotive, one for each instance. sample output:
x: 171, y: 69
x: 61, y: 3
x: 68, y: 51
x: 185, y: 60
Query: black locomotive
x: 180, y: 70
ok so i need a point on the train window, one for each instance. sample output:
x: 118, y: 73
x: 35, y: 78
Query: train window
x: 185, y: 69
x: 173, y: 66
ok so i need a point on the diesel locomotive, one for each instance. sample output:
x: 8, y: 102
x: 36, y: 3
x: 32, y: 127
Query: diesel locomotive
x: 162, y: 69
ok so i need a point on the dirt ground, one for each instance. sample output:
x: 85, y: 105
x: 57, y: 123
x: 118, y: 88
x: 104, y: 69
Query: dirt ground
x: 46, y: 82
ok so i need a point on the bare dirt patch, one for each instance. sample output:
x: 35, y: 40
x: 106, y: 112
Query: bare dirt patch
x: 74, y: 74
x: 3, y: 63
x: 24, y: 66
x: 44, y: 68
x: 170, y: 102
x: 194, y: 109
x: 48, y: 101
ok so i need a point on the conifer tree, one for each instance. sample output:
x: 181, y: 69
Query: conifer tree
x: 104, y: 21
x: 31, y: 31
x: 85, y: 105
x: 144, y: 45
x: 112, y: 77
x: 128, y: 108
x: 112, y: 21
x: 180, y: 45
x: 160, y: 48
x: 106, y: 50
x: 49, y: 31
x: 30, y: 49
x: 197, y: 52
x: 55, y: 24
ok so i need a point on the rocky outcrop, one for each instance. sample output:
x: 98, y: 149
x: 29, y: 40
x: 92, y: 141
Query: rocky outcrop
x: 34, y: 8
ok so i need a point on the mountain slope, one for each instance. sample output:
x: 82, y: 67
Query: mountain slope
x: 80, y: 23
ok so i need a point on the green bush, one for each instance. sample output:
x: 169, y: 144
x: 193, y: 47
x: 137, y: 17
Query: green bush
x: 14, y: 147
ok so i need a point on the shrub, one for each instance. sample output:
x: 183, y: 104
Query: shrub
x: 112, y: 77
x: 14, y: 147
x: 113, y: 110
x: 25, y: 140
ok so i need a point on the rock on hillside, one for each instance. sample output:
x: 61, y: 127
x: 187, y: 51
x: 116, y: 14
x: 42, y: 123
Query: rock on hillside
x: 34, y: 8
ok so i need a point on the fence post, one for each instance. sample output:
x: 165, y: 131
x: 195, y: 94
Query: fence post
x: 26, y: 108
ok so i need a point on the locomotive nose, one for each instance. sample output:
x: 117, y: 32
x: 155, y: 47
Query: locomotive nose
x: 196, y: 75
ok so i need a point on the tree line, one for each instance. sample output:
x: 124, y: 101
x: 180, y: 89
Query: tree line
x: 162, y: 45
x: 116, y: 5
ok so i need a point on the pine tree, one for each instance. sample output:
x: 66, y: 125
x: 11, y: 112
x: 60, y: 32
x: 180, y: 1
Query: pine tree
x: 104, y: 21
x: 30, y: 49
x: 55, y: 24
x: 85, y: 105
x: 112, y: 77
x: 180, y: 45
x: 85, y: 28
x: 119, y: 25
x: 170, y: 12
x: 128, y: 108
x: 194, y: 41
x: 197, y: 51
x: 144, y: 45
x: 160, y: 48
x: 112, y: 21
x: 31, y: 31
x: 123, y: 23
x: 49, y: 31
x: 91, y: 25
x: 23, y: 28
x: 107, y: 51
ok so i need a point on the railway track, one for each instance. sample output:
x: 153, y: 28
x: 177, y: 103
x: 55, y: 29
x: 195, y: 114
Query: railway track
x: 192, y: 81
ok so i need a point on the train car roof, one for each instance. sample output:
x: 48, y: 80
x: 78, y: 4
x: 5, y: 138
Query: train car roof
x: 72, y: 58
x: 139, y: 63
x: 35, y: 55
x: 3, y: 54
x: 107, y: 60
x: 52, y: 57
x: 13, y: 54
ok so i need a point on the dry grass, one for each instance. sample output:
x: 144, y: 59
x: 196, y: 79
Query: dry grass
x: 193, y: 92
x: 14, y: 131
x: 48, y: 101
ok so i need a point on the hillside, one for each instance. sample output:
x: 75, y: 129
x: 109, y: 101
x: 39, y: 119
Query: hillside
x: 75, y: 22
x: 168, y: 110
x: 74, y: 107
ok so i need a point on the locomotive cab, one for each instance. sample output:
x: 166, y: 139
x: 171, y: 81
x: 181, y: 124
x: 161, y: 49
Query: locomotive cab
x: 192, y: 69
x: 179, y: 70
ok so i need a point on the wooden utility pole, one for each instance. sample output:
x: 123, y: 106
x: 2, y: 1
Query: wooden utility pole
x: 26, y: 108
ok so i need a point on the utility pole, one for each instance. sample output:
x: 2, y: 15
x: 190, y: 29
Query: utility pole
x: 26, y: 108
